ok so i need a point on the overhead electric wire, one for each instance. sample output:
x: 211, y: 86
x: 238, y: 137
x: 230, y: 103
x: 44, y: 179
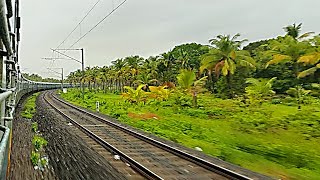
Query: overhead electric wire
x: 98, y: 23
x: 79, y: 23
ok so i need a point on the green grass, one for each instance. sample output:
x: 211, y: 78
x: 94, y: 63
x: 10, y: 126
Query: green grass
x: 30, y: 106
x: 276, y: 140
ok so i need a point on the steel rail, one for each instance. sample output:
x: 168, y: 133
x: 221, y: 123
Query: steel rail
x: 201, y: 162
x: 134, y: 164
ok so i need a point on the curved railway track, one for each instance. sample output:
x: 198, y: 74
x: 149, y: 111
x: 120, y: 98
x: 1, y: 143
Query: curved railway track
x: 151, y: 158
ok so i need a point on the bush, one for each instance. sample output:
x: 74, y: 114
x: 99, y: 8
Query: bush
x: 34, y: 126
x: 181, y: 99
x: 39, y: 142
x: 276, y: 101
x: 35, y: 157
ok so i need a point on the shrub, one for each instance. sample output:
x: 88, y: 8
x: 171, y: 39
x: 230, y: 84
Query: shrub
x: 276, y: 101
x: 259, y: 89
x: 39, y: 142
x: 35, y: 157
x: 34, y: 126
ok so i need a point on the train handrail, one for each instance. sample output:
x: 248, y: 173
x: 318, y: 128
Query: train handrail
x: 4, y: 151
x: 5, y: 95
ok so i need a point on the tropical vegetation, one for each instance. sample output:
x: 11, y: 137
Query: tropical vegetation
x: 252, y: 104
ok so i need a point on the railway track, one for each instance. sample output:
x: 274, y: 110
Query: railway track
x: 150, y: 158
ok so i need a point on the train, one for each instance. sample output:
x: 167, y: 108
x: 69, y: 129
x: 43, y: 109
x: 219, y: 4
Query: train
x: 13, y: 85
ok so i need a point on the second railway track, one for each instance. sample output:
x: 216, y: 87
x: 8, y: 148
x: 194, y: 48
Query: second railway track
x: 151, y: 158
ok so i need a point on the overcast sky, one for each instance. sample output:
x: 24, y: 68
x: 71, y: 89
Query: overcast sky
x: 148, y: 27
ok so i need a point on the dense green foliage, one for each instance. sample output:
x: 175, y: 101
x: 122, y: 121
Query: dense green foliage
x: 293, y: 59
x: 38, y: 78
x: 30, y: 106
x: 275, y: 139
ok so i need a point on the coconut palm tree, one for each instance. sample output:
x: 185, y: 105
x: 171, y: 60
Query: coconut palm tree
x: 119, y: 69
x: 183, y: 59
x: 90, y: 77
x: 225, y: 56
x: 72, y: 78
x: 294, y: 31
x: 287, y: 50
x: 167, y: 68
x: 145, y: 79
x: 292, y: 52
x: 149, y: 66
x: 103, y: 75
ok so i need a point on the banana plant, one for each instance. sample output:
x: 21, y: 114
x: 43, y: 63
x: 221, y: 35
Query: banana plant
x: 134, y: 95
x: 160, y: 93
x: 259, y: 89
x: 189, y: 84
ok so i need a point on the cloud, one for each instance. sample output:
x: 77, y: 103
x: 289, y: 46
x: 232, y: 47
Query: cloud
x: 150, y: 27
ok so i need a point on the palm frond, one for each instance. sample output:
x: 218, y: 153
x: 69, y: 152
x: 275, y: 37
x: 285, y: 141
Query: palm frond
x: 201, y: 81
x: 232, y: 66
x: 252, y: 81
x: 218, y: 68
x: 277, y: 58
x: 307, y: 72
x: 292, y: 92
x: 235, y: 37
x: 305, y: 35
x: 271, y: 81
x: 225, y: 68
x: 138, y: 82
x: 186, y: 78
x: 153, y: 81
x: 310, y: 59
x: 315, y: 85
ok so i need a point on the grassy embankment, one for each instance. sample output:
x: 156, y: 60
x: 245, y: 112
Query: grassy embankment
x: 30, y: 106
x: 38, y: 158
x: 274, y: 139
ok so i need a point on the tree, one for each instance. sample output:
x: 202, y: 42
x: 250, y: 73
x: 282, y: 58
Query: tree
x: 118, y: 73
x: 294, y: 31
x: 225, y: 56
x: 89, y: 77
x: 149, y: 66
x: 188, y: 55
x: 103, y: 75
x: 167, y: 69
x: 189, y: 84
x: 145, y: 79
x: 287, y: 50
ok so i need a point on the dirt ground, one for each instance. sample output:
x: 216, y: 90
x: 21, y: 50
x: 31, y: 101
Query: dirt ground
x: 69, y: 156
